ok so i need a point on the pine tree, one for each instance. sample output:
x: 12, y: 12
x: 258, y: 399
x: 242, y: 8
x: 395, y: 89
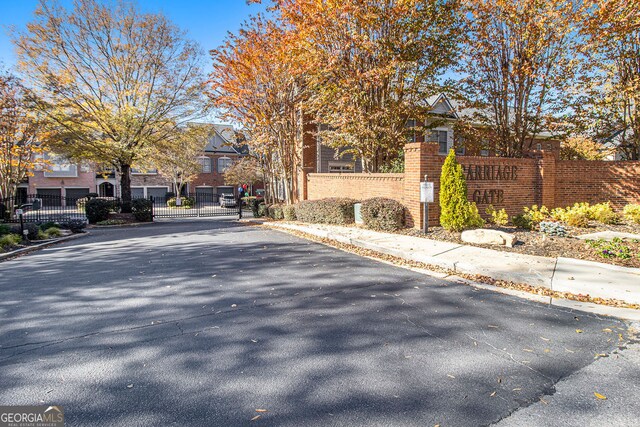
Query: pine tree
x: 456, y: 213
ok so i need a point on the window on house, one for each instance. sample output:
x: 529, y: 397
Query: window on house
x: 137, y: 171
x: 205, y: 164
x: 460, y: 151
x: 224, y: 163
x: 59, y: 167
x: 340, y: 167
x: 484, y: 153
x: 442, y: 138
x: 411, y: 130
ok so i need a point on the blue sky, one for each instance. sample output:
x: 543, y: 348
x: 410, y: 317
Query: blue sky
x: 206, y: 21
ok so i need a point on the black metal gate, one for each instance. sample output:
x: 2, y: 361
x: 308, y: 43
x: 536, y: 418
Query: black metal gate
x: 196, y: 205
x: 42, y: 207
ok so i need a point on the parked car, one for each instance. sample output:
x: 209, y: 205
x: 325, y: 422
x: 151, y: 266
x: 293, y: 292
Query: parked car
x: 228, y: 201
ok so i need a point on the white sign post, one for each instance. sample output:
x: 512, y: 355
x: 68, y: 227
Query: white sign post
x: 426, y: 197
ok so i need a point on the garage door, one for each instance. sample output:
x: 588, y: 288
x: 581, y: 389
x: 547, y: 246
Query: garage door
x: 224, y: 190
x: 137, y: 193
x: 205, y: 195
x: 73, y: 194
x: 157, y: 192
x: 50, y: 196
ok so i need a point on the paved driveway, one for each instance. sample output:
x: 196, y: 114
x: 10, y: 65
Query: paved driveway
x: 205, y: 322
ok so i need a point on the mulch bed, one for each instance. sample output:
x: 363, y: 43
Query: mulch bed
x: 536, y: 243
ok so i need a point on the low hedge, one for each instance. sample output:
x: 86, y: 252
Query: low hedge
x: 187, y: 202
x: 289, y: 212
x: 142, y: 210
x: 326, y: 211
x: 98, y: 210
x: 380, y: 213
x: 275, y: 211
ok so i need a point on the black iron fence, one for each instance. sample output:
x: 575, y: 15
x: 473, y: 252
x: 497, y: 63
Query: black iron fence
x: 41, y: 208
x: 54, y: 208
x: 196, y: 205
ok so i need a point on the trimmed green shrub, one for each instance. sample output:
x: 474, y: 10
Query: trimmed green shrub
x: 255, y: 204
x: 326, y: 211
x: 456, y: 213
x: 53, y: 232
x: 47, y: 225
x: 142, y: 209
x: 9, y: 240
x: 74, y: 225
x: 289, y: 212
x: 380, y: 213
x: 31, y: 228
x: 500, y: 218
x: 187, y: 202
x: 98, y: 210
x: 263, y: 210
x: 632, y: 212
x: 4, y: 229
x: 275, y: 211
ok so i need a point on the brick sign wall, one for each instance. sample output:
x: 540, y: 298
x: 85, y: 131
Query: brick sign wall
x: 503, y: 182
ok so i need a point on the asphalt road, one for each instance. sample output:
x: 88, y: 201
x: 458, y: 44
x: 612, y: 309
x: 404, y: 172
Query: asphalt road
x: 206, y: 322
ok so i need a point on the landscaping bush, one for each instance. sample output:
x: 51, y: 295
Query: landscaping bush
x: 74, y: 225
x: 98, y: 210
x: 531, y: 217
x: 380, y: 213
x: 262, y: 210
x: 4, y: 229
x: 326, y: 211
x: 255, y: 205
x: 142, y: 209
x: 53, y: 232
x: 632, y: 212
x: 603, y: 213
x: 9, y: 240
x: 47, y: 225
x: 500, y: 218
x: 553, y: 228
x: 456, y: 213
x: 289, y: 212
x: 187, y: 202
x: 275, y: 211
x: 112, y: 222
x: 32, y: 229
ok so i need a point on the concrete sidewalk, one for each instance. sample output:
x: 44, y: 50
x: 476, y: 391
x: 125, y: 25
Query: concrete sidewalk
x: 559, y: 274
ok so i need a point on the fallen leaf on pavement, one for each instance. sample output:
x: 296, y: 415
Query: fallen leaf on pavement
x: 600, y: 396
x: 607, y: 330
x: 450, y: 376
x: 130, y: 386
x: 256, y: 417
x: 492, y: 394
x: 579, y: 331
x: 261, y: 410
x: 546, y: 339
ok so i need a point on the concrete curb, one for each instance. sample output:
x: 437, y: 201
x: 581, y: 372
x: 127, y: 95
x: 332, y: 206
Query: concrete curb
x: 23, y: 251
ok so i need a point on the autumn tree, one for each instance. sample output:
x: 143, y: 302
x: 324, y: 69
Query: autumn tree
x: 255, y: 82
x: 177, y: 157
x: 518, y: 63
x: 583, y: 148
x: 245, y: 171
x: 114, y: 81
x: 608, y: 94
x: 369, y: 66
x: 20, y: 130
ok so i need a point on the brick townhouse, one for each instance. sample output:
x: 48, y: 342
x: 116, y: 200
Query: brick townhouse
x: 73, y: 181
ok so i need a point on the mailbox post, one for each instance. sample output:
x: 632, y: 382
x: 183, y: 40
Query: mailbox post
x: 426, y: 197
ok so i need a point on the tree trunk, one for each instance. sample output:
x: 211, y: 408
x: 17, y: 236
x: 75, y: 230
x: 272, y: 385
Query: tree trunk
x: 125, y: 187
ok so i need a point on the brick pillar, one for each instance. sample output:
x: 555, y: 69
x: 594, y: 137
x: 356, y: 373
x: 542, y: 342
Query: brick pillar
x: 548, y: 165
x: 420, y: 159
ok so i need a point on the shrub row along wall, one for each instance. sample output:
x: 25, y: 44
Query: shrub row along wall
x: 502, y: 182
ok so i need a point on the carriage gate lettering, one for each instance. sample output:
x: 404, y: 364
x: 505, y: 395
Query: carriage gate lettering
x: 491, y: 196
